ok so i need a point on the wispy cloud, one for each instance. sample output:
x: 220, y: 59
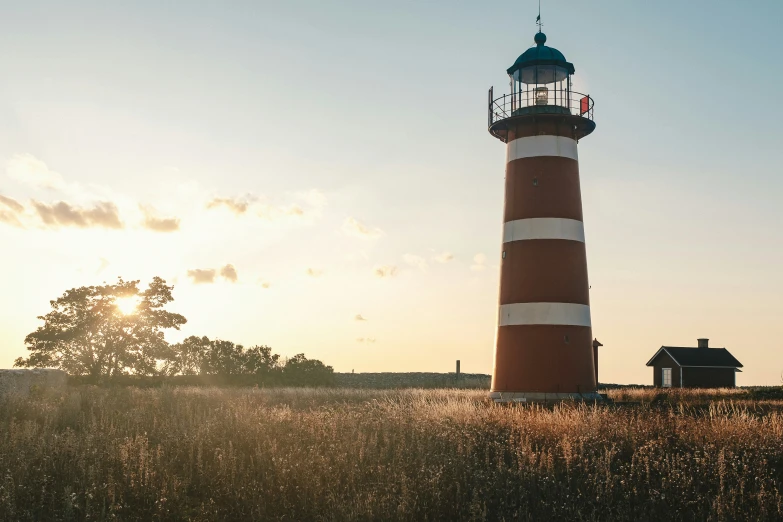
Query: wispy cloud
x: 27, y: 169
x: 229, y: 273
x: 443, y: 257
x: 158, y: 224
x: 236, y: 205
x: 293, y: 210
x: 201, y: 276
x: 12, y: 204
x: 258, y: 205
x: 103, y: 214
x: 10, y: 214
x: 352, y: 227
x: 385, y: 271
x: 314, y: 272
x: 9, y: 218
x: 417, y: 261
x: 369, y: 340
x: 359, y: 317
x: 479, y: 263
x: 272, y: 212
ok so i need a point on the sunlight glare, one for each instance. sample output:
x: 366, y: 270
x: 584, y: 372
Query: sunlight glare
x: 127, y: 305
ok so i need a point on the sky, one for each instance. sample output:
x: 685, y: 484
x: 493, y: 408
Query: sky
x: 318, y: 176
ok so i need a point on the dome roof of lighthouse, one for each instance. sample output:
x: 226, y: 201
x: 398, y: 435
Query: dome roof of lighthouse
x: 539, y: 55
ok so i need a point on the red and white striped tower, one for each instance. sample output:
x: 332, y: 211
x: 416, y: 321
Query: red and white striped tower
x: 544, y: 339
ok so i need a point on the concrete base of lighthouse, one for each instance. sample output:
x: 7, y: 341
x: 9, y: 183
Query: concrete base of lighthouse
x: 539, y: 397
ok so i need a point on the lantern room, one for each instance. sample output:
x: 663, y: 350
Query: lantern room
x: 541, y: 77
x: 540, y: 82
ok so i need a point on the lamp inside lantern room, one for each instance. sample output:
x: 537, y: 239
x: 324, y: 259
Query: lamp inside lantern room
x: 542, y: 95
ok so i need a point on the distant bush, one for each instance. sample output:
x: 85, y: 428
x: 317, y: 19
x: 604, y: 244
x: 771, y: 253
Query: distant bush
x: 296, y: 371
x: 766, y: 392
x: 299, y: 370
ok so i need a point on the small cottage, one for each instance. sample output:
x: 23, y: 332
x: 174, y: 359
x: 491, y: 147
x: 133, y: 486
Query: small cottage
x: 700, y: 367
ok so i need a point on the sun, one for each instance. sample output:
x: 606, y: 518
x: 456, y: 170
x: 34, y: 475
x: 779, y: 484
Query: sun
x: 127, y: 305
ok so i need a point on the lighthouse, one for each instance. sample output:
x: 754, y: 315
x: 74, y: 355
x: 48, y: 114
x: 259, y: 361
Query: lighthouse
x: 544, y: 343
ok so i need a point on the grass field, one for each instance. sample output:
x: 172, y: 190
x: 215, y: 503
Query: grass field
x: 339, y: 454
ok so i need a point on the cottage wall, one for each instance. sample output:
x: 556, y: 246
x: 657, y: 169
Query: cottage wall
x: 708, y: 377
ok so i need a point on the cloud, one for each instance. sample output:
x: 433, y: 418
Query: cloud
x: 229, y: 273
x: 271, y: 212
x: 417, y: 261
x: 365, y: 340
x: 293, y: 210
x: 359, y: 317
x: 103, y: 214
x: 443, y: 257
x: 9, y: 218
x: 479, y: 263
x: 8, y: 215
x: 306, y: 205
x: 158, y: 224
x: 385, y: 271
x: 29, y: 170
x: 313, y: 202
x: 61, y: 214
x: 314, y: 272
x: 236, y: 205
x: 352, y: 227
x: 11, y: 203
x: 201, y: 276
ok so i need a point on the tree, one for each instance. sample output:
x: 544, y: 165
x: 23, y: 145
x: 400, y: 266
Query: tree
x: 105, y: 330
x: 187, y: 357
x: 223, y: 358
x: 260, y: 361
x: 200, y: 355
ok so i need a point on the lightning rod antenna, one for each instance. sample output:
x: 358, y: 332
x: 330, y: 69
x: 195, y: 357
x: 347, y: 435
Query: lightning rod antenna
x: 538, y: 18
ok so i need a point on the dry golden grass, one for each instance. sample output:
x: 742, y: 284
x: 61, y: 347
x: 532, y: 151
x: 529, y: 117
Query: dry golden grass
x: 336, y: 454
x: 679, y: 394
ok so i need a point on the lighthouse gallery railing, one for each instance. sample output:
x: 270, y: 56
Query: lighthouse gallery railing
x: 539, y: 101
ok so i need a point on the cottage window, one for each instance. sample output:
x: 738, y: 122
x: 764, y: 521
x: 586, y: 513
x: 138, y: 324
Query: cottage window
x: 666, y: 377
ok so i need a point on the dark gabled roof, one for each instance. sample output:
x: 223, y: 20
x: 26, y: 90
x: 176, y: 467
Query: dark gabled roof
x: 699, y: 357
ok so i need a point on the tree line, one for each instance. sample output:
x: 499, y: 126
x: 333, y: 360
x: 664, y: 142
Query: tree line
x: 117, y: 330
